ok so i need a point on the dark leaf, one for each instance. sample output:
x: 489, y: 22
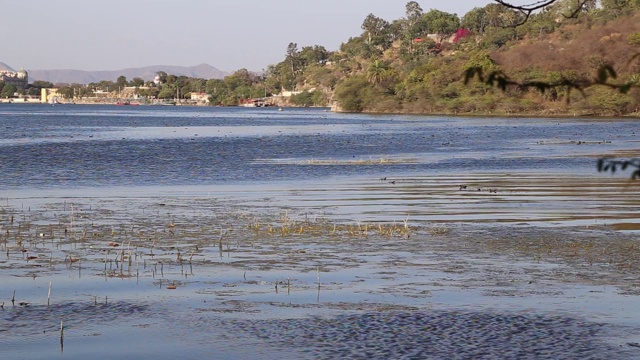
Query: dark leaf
x: 604, y: 72
x: 471, y: 72
x: 624, y: 88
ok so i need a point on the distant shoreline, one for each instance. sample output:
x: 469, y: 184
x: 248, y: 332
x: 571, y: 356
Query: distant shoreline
x: 494, y: 114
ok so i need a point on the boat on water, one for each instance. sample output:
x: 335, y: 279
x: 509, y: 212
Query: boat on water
x: 257, y: 102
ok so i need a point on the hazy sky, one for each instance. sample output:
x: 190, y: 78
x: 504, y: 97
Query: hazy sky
x: 230, y: 35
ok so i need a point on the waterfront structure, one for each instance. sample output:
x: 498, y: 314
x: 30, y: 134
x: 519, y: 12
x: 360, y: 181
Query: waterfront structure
x: 200, y: 97
x: 50, y: 96
x: 19, y: 79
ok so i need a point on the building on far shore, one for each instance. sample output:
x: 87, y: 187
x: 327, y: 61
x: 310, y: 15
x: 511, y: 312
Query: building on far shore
x: 19, y: 79
x: 200, y: 97
x: 50, y: 96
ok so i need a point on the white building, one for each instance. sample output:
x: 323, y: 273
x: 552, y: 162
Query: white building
x: 19, y: 79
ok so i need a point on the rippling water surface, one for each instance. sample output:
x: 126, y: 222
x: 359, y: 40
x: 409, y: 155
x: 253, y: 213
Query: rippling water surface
x: 430, y: 168
x: 169, y: 181
x: 73, y: 146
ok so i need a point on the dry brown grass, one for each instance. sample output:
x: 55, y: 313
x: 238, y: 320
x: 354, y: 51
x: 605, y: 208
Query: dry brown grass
x: 588, y: 49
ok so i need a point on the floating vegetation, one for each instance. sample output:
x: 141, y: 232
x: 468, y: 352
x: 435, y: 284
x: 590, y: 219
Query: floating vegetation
x: 326, y: 162
x: 241, y: 262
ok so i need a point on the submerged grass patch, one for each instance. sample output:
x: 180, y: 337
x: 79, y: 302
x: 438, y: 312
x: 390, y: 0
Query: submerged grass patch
x: 234, y: 263
x: 326, y: 162
x: 147, y: 241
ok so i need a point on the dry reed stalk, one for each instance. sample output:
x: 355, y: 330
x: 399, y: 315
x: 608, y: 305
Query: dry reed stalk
x: 61, y: 335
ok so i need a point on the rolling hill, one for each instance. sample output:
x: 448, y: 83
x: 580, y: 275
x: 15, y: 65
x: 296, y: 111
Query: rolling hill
x: 71, y: 76
x: 5, y: 67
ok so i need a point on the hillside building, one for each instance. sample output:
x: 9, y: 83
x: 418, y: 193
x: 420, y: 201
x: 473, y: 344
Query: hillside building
x: 19, y: 79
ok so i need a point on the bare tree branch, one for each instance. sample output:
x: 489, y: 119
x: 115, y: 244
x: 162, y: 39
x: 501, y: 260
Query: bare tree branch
x: 577, y: 10
x: 612, y: 165
x: 528, y: 9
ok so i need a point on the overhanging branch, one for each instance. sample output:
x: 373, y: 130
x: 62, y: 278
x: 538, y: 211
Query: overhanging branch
x: 528, y: 9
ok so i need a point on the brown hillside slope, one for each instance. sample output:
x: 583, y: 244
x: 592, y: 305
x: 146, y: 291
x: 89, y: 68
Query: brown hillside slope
x: 579, y: 47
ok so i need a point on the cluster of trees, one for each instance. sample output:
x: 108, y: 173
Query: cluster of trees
x: 565, y: 44
x: 169, y: 87
x: 7, y: 90
x: 415, y: 64
x: 232, y: 90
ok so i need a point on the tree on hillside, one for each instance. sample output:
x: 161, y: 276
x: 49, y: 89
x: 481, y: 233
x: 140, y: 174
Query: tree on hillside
x: 574, y: 7
x: 8, y: 90
x: 240, y: 85
x: 357, y: 46
x: 137, y: 81
x: 293, y: 57
x: 605, y: 72
x: 42, y: 84
x: 66, y: 92
x: 475, y: 20
x: 313, y: 55
x: 122, y: 82
x: 441, y: 23
x: 528, y: 9
x: 377, y: 72
x: 170, y: 79
x: 413, y: 13
x: 167, y: 92
x: 376, y: 32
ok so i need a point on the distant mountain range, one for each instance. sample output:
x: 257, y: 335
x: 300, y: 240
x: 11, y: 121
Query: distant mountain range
x: 70, y: 76
x: 5, y: 67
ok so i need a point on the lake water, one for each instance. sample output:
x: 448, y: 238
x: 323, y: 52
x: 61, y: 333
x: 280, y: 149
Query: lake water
x: 65, y: 150
x: 67, y: 146
x: 231, y: 206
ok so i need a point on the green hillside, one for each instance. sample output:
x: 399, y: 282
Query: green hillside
x: 584, y: 54
x: 416, y: 64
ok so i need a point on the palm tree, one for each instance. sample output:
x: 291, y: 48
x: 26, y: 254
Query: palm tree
x: 377, y: 72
